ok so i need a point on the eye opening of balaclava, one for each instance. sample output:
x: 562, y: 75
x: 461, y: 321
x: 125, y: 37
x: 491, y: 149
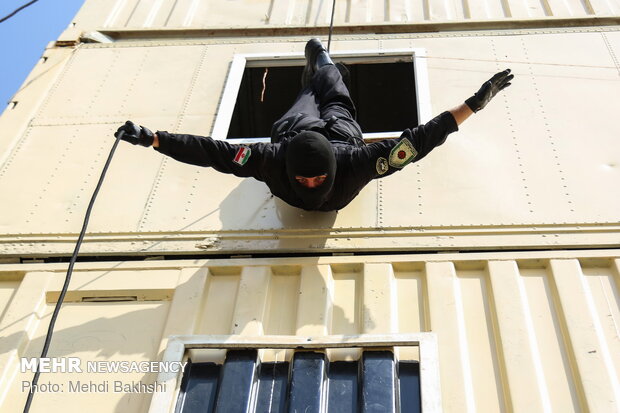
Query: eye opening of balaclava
x: 310, y: 154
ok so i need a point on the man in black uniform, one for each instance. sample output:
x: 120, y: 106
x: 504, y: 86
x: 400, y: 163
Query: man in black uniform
x: 317, y: 158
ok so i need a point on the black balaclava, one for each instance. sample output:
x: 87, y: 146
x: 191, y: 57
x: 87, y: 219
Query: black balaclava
x: 309, y: 154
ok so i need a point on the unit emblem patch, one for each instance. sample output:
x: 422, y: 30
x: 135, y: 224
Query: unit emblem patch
x: 242, y: 156
x: 382, y: 165
x: 402, y: 154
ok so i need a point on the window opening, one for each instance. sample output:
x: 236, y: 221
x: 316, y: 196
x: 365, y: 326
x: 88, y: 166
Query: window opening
x: 389, y: 88
x: 384, y: 95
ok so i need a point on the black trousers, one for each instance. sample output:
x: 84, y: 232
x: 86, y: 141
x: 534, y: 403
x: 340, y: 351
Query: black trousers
x: 325, y: 106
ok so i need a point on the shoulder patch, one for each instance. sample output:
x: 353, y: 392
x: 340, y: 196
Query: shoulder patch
x: 382, y: 165
x: 242, y: 155
x: 402, y: 154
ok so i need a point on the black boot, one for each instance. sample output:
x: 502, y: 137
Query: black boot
x: 316, y: 57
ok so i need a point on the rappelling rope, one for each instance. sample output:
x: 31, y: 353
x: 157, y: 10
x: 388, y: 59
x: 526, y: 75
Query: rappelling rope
x: 65, y: 287
x: 331, y: 26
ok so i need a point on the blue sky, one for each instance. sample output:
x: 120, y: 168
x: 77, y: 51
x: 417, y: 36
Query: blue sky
x: 24, y: 36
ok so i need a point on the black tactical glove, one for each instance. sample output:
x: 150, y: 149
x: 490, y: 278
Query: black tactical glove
x: 489, y: 89
x: 136, y: 135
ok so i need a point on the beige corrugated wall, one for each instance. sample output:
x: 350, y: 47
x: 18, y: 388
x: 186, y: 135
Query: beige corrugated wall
x: 277, y: 13
x: 517, y: 330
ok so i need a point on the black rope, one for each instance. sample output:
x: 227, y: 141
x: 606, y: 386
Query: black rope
x: 8, y: 16
x: 331, y: 26
x: 65, y: 287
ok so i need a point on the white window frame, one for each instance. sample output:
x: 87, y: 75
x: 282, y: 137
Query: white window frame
x: 241, y: 61
x: 176, y: 351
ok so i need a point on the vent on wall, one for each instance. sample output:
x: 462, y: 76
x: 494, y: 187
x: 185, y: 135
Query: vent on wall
x: 108, y: 296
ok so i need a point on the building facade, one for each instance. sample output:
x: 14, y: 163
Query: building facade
x: 484, y: 278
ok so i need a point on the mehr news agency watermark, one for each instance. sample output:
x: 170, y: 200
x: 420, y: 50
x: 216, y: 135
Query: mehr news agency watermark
x: 90, y: 385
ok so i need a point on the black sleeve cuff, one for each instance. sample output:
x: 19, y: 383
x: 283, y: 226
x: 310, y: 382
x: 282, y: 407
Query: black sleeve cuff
x: 164, y: 142
x: 447, y: 119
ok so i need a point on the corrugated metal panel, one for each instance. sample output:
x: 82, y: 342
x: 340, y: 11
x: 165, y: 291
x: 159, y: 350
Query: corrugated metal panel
x: 28, y: 98
x: 269, y: 14
x: 93, y: 332
x: 519, y: 169
x: 8, y: 286
x: 515, y: 331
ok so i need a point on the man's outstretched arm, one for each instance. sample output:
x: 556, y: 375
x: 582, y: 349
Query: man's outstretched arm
x: 414, y: 144
x: 240, y: 160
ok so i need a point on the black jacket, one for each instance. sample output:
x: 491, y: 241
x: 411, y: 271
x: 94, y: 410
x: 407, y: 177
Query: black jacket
x: 356, y: 165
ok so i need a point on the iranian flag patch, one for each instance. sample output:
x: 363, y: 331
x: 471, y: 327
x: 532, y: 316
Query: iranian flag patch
x: 242, y: 156
x: 402, y: 154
